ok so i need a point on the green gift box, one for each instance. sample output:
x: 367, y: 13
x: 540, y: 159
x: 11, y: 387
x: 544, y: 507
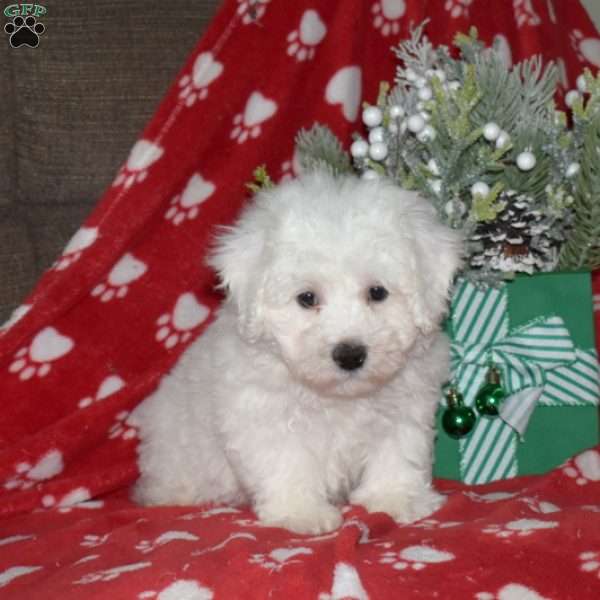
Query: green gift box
x: 538, y: 331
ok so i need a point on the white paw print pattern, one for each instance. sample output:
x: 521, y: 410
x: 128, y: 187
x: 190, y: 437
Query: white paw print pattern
x: 187, y: 204
x: 540, y: 506
x: 584, y: 468
x: 91, y: 540
x: 458, y: 8
x: 110, y: 385
x: 520, y: 528
x: 435, y: 524
x: 590, y: 563
x: 83, y: 238
x: 182, y: 589
x: 346, y: 584
x: 211, y: 512
x: 47, y: 346
x: 146, y: 546
x: 387, y: 15
x: 345, y: 89
x: 15, y: 317
x: 290, y: 169
x: 127, y: 270
x: 27, y: 475
x: 525, y: 14
x: 121, y: 428
x: 278, y: 558
x: 141, y: 157
x: 302, y: 42
x: 77, y: 498
x: 511, y: 591
x: 490, y: 497
x: 248, y: 124
x: 111, y: 574
x: 176, y: 327
x: 588, y: 49
x: 415, y: 557
x: 195, y: 86
x: 252, y: 11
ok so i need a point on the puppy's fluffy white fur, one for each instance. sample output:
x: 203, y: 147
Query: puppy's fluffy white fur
x: 257, y: 410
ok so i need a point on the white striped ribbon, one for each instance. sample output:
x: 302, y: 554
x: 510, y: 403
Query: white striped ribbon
x: 539, y: 363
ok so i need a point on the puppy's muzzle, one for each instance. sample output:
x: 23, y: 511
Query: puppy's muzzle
x: 349, y: 356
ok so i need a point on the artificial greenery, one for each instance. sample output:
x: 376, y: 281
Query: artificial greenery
x: 262, y: 180
x: 324, y: 151
x: 485, y: 143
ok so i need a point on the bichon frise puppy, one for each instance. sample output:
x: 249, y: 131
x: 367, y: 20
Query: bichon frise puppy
x: 318, y: 381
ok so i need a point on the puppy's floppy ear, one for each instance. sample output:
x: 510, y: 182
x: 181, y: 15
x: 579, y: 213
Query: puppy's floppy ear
x: 438, y: 256
x: 237, y: 257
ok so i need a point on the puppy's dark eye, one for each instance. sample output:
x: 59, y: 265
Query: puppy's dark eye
x: 307, y: 299
x: 378, y: 293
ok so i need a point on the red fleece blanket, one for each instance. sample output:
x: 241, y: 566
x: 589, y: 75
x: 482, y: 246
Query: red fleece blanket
x: 523, y: 539
x: 130, y: 292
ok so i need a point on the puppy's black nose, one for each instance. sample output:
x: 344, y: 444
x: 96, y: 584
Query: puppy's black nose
x: 349, y: 356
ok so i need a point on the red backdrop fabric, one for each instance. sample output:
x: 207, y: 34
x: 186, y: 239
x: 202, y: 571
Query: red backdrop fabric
x: 131, y: 291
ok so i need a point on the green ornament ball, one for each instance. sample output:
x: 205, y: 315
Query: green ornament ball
x: 489, y: 398
x: 457, y: 420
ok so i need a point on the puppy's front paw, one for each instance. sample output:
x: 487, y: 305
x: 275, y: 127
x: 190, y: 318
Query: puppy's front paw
x: 308, y: 518
x: 402, y: 507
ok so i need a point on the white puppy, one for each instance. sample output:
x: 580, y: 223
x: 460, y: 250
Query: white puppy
x: 319, y: 379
